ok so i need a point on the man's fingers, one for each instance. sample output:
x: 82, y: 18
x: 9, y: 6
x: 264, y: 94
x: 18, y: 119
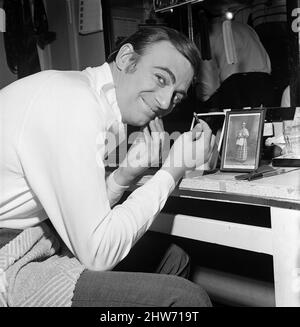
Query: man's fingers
x: 197, y: 130
x: 147, y: 134
x: 201, y: 128
x: 212, y: 141
x: 160, y: 124
x: 153, y: 142
x: 156, y: 125
x: 157, y: 129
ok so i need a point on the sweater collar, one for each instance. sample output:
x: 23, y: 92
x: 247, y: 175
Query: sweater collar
x: 104, y: 84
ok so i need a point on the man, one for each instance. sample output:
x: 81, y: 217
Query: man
x: 54, y: 132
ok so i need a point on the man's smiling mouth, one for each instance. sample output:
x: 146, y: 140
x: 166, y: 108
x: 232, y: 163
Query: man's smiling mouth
x: 149, y: 107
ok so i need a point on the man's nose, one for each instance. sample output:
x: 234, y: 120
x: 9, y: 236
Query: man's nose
x: 164, y: 97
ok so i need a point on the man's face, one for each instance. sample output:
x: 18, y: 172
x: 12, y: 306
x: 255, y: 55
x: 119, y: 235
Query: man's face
x: 159, y: 80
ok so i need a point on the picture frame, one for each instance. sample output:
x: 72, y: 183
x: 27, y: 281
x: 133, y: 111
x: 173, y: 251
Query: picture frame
x: 216, y: 122
x: 242, y: 141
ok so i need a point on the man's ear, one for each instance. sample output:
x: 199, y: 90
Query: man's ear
x: 124, y: 55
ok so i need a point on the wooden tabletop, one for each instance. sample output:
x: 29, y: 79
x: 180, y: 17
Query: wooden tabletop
x: 277, y: 191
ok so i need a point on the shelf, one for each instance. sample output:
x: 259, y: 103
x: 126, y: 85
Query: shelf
x: 175, y: 5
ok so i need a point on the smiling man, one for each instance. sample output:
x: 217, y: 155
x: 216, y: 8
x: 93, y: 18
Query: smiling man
x: 152, y: 85
x: 53, y: 144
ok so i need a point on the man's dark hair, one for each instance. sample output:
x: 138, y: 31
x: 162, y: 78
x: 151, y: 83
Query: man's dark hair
x: 147, y: 36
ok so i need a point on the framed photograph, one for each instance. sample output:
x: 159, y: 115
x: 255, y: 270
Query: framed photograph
x: 242, y: 140
x: 216, y: 122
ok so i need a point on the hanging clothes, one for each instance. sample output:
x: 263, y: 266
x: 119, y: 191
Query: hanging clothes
x: 202, y: 38
x: 40, y: 22
x: 2, y: 17
x: 24, y: 32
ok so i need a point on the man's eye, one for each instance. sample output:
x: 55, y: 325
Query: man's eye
x: 161, y: 80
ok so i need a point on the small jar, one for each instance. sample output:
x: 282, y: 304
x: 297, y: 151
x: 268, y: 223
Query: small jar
x: 291, y: 134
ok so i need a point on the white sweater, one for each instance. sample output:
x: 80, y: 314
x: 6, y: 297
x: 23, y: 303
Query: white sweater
x: 52, y: 146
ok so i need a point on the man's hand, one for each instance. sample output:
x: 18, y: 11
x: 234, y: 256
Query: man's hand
x: 191, y: 149
x: 144, y: 153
